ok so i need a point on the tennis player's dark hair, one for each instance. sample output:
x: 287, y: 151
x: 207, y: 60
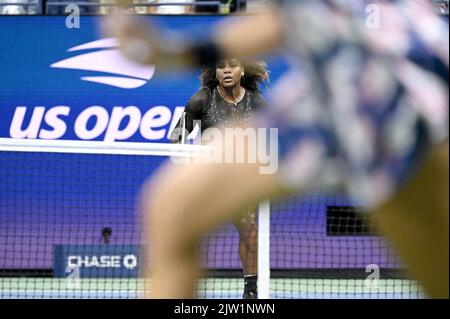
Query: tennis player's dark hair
x: 255, y: 74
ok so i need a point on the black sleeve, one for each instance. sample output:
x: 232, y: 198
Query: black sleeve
x: 194, y: 111
x: 259, y: 103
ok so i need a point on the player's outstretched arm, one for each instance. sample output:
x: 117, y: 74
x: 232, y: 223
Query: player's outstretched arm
x: 146, y: 44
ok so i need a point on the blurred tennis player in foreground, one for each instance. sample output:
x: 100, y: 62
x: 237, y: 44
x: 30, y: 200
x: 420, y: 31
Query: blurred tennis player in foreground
x: 368, y: 112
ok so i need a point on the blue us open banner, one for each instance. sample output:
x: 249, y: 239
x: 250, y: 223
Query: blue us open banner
x: 61, y: 83
x: 96, y: 261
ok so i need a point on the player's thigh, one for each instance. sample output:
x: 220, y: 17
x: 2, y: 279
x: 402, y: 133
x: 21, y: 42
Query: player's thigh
x: 416, y: 221
x: 425, y: 196
x: 200, y: 196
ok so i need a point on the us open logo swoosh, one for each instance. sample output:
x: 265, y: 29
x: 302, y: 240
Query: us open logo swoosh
x: 124, y: 73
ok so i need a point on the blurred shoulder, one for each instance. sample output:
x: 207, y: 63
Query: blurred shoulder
x: 258, y: 100
x: 200, y: 99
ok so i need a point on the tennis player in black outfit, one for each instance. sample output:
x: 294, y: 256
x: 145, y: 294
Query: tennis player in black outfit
x: 230, y: 93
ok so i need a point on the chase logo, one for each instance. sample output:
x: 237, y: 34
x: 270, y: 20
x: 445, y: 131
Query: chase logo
x: 102, y: 261
x: 107, y: 59
x: 96, y: 261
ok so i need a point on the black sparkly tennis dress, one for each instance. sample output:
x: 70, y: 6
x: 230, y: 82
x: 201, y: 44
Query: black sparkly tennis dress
x: 208, y: 109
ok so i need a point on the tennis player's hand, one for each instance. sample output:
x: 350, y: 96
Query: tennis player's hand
x: 137, y: 40
x: 142, y: 43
